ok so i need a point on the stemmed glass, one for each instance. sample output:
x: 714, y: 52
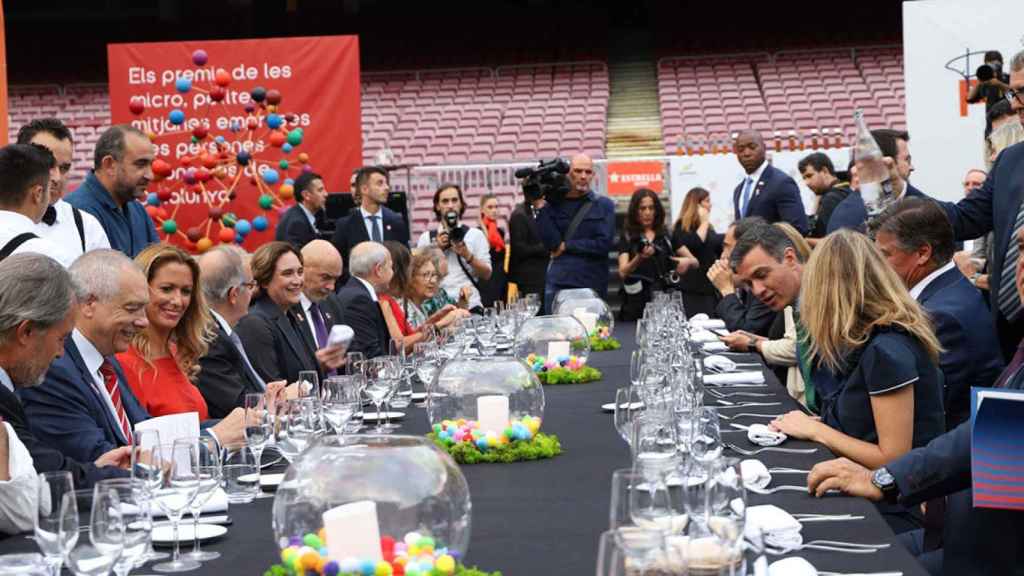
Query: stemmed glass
x: 56, y: 522
x: 426, y: 358
x: 175, y: 494
x: 209, y: 473
x: 137, y: 523
x: 641, y: 545
x: 147, y: 470
x: 259, y: 426
x: 626, y: 408
x: 296, y: 426
x: 309, y: 383
x: 379, y: 385
x: 402, y: 396
x: 340, y: 401
x: 106, y: 536
x: 636, y: 366
x: 706, y: 440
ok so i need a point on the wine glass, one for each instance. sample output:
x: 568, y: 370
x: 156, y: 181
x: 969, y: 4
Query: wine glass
x: 137, y: 523
x: 147, y: 470
x: 626, y: 408
x: 340, y: 401
x: 706, y: 439
x: 654, y: 446
x: 425, y: 359
x: 379, y: 386
x: 402, y: 396
x: 56, y: 522
x: 208, y: 472
x: 175, y: 494
x: 309, y: 383
x: 354, y: 362
x: 636, y: 365
x: 106, y: 536
x: 296, y: 426
x: 638, y: 544
x: 259, y: 426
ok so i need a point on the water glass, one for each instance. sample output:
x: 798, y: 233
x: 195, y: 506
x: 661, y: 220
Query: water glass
x: 309, y: 383
x: 706, y: 438
x: 147, y: 471
x: 106, y: 536
x: 654, y: 446
x: 28, y: 564
x: 340, y: 401
x: 354, y: 363
x: 296, y: 426
x: 259, y: 425
x: 626, y: 408
x: 56, y: 522
x: 138, y: 524
x: 175, y: 494
x: 380, y: 384
x: 208, y: 472
x: 241, y: 474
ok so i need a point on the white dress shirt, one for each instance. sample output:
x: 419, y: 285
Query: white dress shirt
x: 306, y: 305
x: 93, y: 360
x: 13, y: 224
x: 457, y: 278
x: 64, y: 232
x: 238, y: 346
x: 915, y: 292
x: 373, y: 292
x: 370, y: 223
x: 18, y: 495
x: 5, y: 380
x: 309, y: 216
x: 754, y: 177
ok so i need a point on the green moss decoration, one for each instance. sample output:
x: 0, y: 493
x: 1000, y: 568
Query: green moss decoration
x: 541, y: 446
x: 565, y: 376
x: 460, y: 570
x: 598, y: 344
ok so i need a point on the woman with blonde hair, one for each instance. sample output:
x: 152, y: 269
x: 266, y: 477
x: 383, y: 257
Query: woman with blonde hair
x: 864, y: 326
x: 693, y: 235
x: 163, y: 360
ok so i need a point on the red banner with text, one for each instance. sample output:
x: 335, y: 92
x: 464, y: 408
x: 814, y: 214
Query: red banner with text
x: 234, y: 123
x: 625, y: 177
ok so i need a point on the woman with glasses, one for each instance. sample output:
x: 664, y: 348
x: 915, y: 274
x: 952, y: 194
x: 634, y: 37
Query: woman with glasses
x: 424, y: 284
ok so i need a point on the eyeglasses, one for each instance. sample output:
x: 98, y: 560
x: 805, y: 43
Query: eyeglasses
x: 1017, y: 95
x: 428, y: 276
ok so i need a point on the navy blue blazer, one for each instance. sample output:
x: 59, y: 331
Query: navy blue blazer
x: 977, y: 541
x: 363, y: 315
x: 128, y: 227
x: 294, y: 228
x: 774, y: 197
x: 964, y: 327
x: 66, y: 412
x: 274, y: 343
x: 851, y: 212
x: 350, y: 230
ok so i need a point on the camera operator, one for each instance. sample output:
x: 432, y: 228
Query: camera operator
x: 992, y: 83
x: 579, y: 253
x: 466, y: 249
x: 646, y: 261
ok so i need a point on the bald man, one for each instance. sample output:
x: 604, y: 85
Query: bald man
x: 579, y: 258
x: 766, y: 191
x: 322, y: 268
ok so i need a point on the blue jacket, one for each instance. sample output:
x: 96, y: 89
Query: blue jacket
x: 964, y: 327
x: 776, y: 198
x: 128, y: 227
x: 851, y: 212
x: 584, y: 264
x: 66, y: 412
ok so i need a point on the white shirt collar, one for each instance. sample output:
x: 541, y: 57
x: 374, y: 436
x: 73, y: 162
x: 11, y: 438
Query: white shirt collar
x: 756, y: 174
x: 368, y: 214
x: 223, y: 323
x: 305, y: 302
x: 915, y: 292
x: 309, y: 215
x: 5, y: 380
x: 90, y: 355
x: 373, y: 292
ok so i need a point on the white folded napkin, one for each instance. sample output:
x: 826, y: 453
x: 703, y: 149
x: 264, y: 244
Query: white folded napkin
x: 719, y: 362
x: 751, y: 377
x: 702, y: 321
x: 755, y: 473
x: 775, y: 523
x: 702, y: 335
x: 340, y: 334
x: 792, y: 566
x: 715, y: 347
x: 762, y: 435
x: 218, y: 502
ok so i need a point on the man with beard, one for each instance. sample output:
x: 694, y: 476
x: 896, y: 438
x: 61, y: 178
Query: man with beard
x: 121, y: 171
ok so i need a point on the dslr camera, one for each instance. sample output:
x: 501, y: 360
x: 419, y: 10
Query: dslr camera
x: 548, y: 180
x: 456, y: 231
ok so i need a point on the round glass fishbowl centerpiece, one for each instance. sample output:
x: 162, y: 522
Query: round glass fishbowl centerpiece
x: 364, y: 500
x: 487, y: 401
x: 560, y: 340
x: 593, y: 313
x: 572, y: 294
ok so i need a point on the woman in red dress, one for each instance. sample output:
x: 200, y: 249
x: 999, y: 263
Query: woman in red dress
x: 163, y: 360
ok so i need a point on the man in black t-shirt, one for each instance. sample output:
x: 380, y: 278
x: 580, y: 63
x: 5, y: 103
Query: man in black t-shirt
x: 820, y: 176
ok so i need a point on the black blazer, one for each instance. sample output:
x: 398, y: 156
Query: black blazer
x: 332, y: 315
x: 294, y: 228
x: 363, y: 315
x: 742, y: 311
x: 224, y: 379
x: 351, y: 230
x: 274, y: 343
x: 44, y: 457
x: 774, y: 197
x: 528, y: 259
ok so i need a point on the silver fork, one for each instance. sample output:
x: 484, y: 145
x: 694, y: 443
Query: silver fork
x: 722, y: 395
x: 783, y: 470
x: 757, y: 451
x: 828, y: 545
x: 775, y: 489
x: 748, y: 414
x: 727, y: 404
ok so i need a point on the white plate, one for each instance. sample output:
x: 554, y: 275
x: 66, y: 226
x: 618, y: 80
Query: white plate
x: 610, y: 407
x: 163, y: 534
x: 372, y: 416
x: 271, y: 480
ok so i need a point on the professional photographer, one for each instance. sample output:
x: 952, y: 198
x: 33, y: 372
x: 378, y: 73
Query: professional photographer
x: 466, y: 249
x: 992, y: 83
x: 646, y: 261
x: 577, y: 226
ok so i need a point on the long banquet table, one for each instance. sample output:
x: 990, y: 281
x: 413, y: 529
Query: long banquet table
x: 545, y: 517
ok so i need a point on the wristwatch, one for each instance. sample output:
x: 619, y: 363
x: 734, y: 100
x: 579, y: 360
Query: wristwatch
x: 884, y: 481
x: 974, y: 278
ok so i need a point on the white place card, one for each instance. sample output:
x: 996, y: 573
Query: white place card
x: 556, y: 349
x: 588, y: 319
x: 353, y: 532
x: 492, y: 413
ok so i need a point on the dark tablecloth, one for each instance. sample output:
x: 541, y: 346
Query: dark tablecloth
x: 545, y: 517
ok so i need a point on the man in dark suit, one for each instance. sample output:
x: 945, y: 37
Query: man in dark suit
x: 372, y: 219
x: 84, y: 407
x: 976, y: 541
x: 895, y: 146
x: 370, y: 269
x: 528, y: 259
x: 37, y: 308
x: 226, y: 374
x: 916, y: 239
x: 321, y: 265
x: 300, y: 224
x: 738, y: 308
x: 766, y: 191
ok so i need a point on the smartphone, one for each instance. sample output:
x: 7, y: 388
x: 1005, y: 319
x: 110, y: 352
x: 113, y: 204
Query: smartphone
x: 719, y: 331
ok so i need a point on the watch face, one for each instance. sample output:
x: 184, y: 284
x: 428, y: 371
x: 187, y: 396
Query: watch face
x: 882, y: 478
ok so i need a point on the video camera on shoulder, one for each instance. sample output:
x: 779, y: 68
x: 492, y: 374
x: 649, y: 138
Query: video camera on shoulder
x: 456, y: 232
x: 548, y: 180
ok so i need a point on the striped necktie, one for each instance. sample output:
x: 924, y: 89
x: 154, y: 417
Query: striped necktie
x: 110, y: 380
x: 1009, y: 300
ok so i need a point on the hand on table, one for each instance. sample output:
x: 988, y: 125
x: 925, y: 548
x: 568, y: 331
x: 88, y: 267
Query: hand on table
x: 740, y: 341
x: 844, y: 475
x: 796, y: 424
x: 119, y: 457
x: 231, y: 428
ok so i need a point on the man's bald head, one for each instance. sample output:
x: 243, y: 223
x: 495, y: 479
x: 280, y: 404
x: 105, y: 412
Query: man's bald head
x: 323, y: 267
x: 749, y: 149
x: 581, y: 174
x: 227, y: 282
